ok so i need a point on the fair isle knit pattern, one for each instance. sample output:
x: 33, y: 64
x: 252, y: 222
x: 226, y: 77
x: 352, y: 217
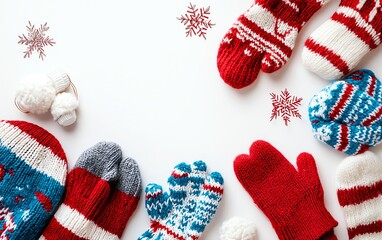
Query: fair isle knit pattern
x: 336, y: 47
x: 33, y: 170
x: 359, y: 191
x: 191, y: 204
x: 347, y: 114
x: 102, y: 193
x: 262, y: 38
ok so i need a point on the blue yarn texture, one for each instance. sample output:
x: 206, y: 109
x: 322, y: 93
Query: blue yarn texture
x: 28, y: 195
x: 190, y: 205
x: 19, y: 200
x: 347, y: 114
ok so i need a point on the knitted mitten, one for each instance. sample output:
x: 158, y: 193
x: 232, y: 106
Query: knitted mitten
x: 263, y: 37
x: 347, y: 115
x: 336, y: 47
x: 102, y: 193
x: 359, y: 191
x: 192, y: 202
x: 292, y: 200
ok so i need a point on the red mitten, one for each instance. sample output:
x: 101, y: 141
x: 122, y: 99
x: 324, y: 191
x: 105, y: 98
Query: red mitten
x: 102, y: 193
x: 292, y: 200
x: 262, y: 38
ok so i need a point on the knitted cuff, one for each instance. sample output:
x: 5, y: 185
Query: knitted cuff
x: 311, y: 9
x: 311, y: 220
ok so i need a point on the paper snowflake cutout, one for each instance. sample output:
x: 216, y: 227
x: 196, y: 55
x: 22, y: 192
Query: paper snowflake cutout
x: 285, y: 105
x: 36, y: 40
x: 196, y: 21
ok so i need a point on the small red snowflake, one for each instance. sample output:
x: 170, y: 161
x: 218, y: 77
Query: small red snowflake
x: 196, y: 21
x: 36, y: 40
x: 285, y: 105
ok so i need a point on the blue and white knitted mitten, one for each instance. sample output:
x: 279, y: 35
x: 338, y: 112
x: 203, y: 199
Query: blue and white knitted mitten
x: 184, y: 212
x: 347, y: 114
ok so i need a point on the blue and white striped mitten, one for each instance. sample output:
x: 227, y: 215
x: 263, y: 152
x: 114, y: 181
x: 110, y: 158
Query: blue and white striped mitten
x: 184, y: 212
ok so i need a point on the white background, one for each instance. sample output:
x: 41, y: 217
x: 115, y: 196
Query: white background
x: 158, y: 94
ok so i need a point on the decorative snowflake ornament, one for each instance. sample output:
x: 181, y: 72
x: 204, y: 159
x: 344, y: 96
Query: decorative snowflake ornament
x: 36, y: 40
x: 285, y: 105
x: 196, y: 21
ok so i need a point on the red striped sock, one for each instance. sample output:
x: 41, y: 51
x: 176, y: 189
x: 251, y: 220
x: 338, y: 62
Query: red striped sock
x: 336, y: 47
x: 359, y: 190
x: 262, y: 38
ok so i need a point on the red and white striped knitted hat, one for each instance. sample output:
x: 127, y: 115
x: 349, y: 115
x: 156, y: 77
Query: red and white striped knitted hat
x: 33, y: 170
x: 359, y: 191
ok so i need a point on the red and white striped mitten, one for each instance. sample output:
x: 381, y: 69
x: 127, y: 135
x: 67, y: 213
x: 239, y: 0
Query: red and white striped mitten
x: 339, y: 44
x: 359, y: 191
x: 262, y: 38
x: 102, y: 193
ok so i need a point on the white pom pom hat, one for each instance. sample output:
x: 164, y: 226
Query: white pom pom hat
x: 38, y: 94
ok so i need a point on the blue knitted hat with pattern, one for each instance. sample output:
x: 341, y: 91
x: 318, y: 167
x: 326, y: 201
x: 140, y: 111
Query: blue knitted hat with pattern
x: 347, y: 114
x: 33, y: 171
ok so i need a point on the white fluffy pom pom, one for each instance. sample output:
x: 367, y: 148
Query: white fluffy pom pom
x: 237, y: 229
x: 36, y: 94
x: 63, y: 109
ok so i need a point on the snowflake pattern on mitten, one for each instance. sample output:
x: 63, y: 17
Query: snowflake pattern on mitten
x: 184, y: 212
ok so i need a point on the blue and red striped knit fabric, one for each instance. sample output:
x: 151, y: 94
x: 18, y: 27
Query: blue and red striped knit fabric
x: 347, y: 114
x: 33, y: 171
x: 188, y: 208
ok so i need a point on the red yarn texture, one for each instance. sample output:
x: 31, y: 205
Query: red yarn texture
x: 293, y: 200
x: 331, y: 55
x: 262, y: 38
x: 98, y: 201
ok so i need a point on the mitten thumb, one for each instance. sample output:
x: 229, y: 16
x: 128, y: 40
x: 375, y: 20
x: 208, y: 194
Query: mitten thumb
x: 307, y: 169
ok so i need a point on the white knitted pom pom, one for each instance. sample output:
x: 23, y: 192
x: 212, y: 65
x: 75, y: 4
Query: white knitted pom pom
x: 36, y: 94
x: 63, y: 109
x: 237, y: 229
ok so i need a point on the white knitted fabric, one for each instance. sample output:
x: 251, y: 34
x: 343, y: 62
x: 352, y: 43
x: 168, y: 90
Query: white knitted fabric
x: 359, y: 190
x: 63, y: 109
x: 339, y: 44
x: 61, y: 80
x: 237, y: 229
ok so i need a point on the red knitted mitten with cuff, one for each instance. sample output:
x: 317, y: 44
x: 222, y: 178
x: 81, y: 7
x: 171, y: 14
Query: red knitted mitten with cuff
x: 293, y: 200
x: 262, y: 38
